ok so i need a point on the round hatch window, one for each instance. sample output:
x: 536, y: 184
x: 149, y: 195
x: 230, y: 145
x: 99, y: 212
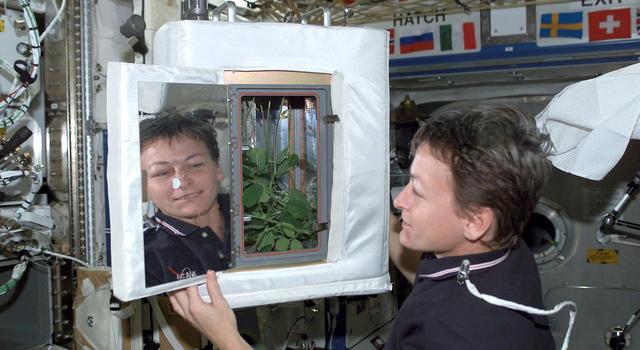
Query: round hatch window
x: 546, y: 235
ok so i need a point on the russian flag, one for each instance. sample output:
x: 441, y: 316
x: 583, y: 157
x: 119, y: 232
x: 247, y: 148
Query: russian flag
x: 421, y: 42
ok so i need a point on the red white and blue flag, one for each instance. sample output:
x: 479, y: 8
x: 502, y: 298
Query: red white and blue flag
x: 392, y: 41
x: 415, y: 43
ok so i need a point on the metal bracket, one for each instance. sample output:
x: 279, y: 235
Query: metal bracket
x: 326, y: 15
x: 331, y: 118
x: 608, y: 232
x: 231, y: 11
x: 626, y: 239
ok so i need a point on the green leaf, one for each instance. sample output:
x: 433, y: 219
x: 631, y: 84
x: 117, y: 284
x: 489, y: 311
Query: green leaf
x: 248, y: 172
x: 297, y: 195
x: 288, y: 229
x: 261, y: 181
x: 282, y: 169
x: 282, y: 156
x: 257, y: 157
x: 253, y: 227
x: 266, y: 243
x: 265, y: 195
x: 282, y: 244
x: 294, y: 160
x: 252, y: 194
x: 308, y: 225
x: 260, y: 236
x: 249, y: 158
x: 296, y: 245
x: 298, y: 209
x: 250, y: 239
x: 289, y: 219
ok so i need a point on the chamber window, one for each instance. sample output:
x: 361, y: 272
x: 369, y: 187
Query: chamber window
x: 283, y: 182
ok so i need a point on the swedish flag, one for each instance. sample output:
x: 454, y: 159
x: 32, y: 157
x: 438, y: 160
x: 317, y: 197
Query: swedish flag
x: 561, y: 25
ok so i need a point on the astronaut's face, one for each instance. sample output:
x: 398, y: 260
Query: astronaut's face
x: 182, y: 179
x: 430, y: 220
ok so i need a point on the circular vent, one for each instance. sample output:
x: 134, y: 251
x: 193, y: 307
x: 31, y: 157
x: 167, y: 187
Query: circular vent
x: 546, y: 235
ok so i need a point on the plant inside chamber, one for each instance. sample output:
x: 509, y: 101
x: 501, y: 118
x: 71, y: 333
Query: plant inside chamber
x: 282, y: 217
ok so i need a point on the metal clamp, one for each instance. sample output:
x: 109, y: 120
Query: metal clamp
x: 231, y: 11
x: 463, y: 271
x: 326, y: 15
x: 331, y: 118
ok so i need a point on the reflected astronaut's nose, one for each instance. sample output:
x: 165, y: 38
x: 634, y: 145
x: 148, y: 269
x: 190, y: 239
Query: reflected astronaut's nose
x: 181, y: 179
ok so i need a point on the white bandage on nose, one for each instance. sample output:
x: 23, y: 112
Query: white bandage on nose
x: 175, y: 183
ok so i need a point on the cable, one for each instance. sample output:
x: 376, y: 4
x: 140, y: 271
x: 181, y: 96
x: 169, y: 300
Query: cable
x: 16, y: 274
x: 54, y: 20
x: 58, y: 255
x: 372, y: 332
x: 36, y: 184
x: 8, y: 68
x: 332, y: 319
x: 293, y: 326
x: 463, y: 275
x: 632, y: 321
x: 334, y: 323
x: 26, y: 71
x: 18, y: 114
x: 162, y: 322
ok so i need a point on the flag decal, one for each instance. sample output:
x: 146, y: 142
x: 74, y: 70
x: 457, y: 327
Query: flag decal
x: 610, y: 24
x: 445, y: 38
x: 413, y: 43
x: 469, y: 35
x: 561, y: 25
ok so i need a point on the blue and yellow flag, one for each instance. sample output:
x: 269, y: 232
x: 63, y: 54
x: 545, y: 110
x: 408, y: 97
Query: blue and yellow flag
x: 561, y: 25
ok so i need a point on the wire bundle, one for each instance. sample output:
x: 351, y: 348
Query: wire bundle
x: 24, y: 72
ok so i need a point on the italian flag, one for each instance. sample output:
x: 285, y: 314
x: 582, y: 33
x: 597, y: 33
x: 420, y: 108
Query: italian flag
x: 467, y: 32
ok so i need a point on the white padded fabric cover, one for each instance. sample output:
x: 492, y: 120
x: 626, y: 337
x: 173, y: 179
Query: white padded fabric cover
x: 357, y: 59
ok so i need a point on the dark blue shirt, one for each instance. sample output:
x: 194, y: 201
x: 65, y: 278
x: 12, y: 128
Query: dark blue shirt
x: 442, y: 314
x: 177, y: 250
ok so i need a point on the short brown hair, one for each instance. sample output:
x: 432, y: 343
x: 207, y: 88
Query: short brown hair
x: 498, y: 159
x: 172, y: 127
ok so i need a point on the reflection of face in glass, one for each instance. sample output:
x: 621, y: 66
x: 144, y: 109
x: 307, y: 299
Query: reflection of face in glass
x: 197, y: 174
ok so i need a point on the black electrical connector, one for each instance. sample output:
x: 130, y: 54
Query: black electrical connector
x: 133, y: 29
x: 18, y: 138
x: 22, y: 68
x: 23, y: 254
